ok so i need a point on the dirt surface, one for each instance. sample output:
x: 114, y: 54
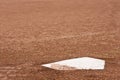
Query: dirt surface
x: 35, y: 32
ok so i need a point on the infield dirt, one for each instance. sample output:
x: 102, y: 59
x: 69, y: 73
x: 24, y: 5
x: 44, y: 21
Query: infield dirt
x: 35, y: 32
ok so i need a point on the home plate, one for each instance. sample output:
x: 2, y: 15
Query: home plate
x: 77, y: 63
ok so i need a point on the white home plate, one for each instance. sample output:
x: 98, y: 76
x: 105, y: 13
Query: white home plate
x: 77, y: 63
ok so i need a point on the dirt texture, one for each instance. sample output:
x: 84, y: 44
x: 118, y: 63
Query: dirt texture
x: 36, y: 32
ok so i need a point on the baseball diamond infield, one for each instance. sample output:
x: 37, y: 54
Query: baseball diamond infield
x: 36, y: 32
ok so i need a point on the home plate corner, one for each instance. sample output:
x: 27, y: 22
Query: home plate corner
x: 85, y: 63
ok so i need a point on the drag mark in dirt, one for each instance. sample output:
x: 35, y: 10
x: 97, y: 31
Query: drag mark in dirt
x: 7, y: 72
x: 84, y: 34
